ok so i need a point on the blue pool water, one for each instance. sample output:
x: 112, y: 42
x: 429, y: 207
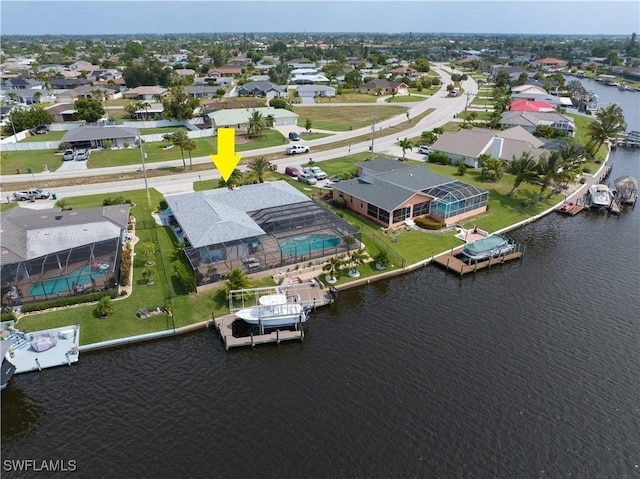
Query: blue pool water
x: 64, y: 283
x: 305, y: 244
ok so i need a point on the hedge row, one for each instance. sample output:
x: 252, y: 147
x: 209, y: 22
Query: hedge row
x: 68, y: 301
x: 125, y: 265
x: 429, y: 224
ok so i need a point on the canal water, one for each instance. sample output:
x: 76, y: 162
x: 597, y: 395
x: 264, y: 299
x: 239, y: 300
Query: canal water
x: 529, y: 369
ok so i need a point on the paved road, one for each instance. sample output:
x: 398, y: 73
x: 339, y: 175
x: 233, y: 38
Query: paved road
x: 445, y: 109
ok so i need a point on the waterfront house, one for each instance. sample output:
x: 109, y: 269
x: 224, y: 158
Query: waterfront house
x: 52, y: 253
x: 255, y: 227
x: 390, y: 192
x: 530, y: 120
x: 465, y: 146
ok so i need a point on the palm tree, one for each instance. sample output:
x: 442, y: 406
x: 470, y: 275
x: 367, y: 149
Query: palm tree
x: 356, y: 258
x: 235, y: 179
x: 189, y: 146
x: 131, y: 109
x: 523, y: 168
x: 549, y: 172
x: 609, y: 125
x: 238, y: 279
x: 334, y: 264
x: 405, y: 144
x: 257, y: 170
x: 256, y: 123
x: 180, y: 138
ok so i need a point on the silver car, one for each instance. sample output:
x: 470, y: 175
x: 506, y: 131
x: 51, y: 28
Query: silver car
x: 307, y: 178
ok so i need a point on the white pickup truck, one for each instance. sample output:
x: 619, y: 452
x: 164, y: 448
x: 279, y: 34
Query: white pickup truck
x: 295, y: 149
x: 35, y: 193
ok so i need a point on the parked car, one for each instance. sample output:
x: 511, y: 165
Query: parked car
x: 307, y: 178
x: 36, y: 193
x: 295, y: 149
x: 424, y: 149
x: 293, y: 136
x: 69, y: 155
x: 291, y: 171
x: 40, y: 130
x: 331, y: 183
x: 83, y: 154
x: 316, y: 172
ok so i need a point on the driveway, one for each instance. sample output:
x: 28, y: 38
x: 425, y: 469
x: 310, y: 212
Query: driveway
x: 73, y: 166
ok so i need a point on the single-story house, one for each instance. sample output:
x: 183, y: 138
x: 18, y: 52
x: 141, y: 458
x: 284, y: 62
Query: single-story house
x: 86, y: 91
x: 94, y: 136
x: 21, y: 83
x: 226, y: 71
x: 530, y: 120
x: 51, y: 253
x: 310, y: 79
x: 312, y: 91
x: 529, y: 105
x: 145, y: 93
x: 467, y: 145
x: 390, y: 192
x: 151, y: 111
x: 260, y: 88
x: 550, y: 63
x: 201, y: 91
x: 385, y: 87
x: 255, y: 227
x: 239, y: 118
x: 68, y: 83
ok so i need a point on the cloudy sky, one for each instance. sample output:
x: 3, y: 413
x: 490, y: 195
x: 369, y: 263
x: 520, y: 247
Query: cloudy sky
x: 27, y: 17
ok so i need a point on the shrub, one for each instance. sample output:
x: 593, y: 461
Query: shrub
x: 125, y: 144
x: 340, y: 203
x: 163, y: 205
x: 186, y: 278
x: 65, y: 146
x: 60, y: 302
x: 107, y: 144
x: 429, y: 223
x: 125, y: 265
x: 105, y: 307
x: 462, y: 169
x: 116, y: 200
x: 8, y: 316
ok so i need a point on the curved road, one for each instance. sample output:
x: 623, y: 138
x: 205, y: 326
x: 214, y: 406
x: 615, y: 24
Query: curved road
x: 445, y: 109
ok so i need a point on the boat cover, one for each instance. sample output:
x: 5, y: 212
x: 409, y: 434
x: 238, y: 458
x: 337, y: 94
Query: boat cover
x: 43, y: 342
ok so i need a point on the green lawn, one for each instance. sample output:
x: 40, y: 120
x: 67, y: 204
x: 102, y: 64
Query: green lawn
x: 348, y: 97
x: 344, y: 118
x: 162, y: 131
x: 405, y: 98
x: 50, y: 136
x: 35, y: 159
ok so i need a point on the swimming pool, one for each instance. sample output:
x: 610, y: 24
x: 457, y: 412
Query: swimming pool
x: 80, y: 276
x: 305, y: 244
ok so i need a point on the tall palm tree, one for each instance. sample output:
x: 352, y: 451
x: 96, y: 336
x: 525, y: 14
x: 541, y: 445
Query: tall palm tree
x: 131, y: 109
x: 256, y: 123
x: 180, y: 138
x: 189, y: 146
x: 405, y: 144
x: 356, y: 258
x: 257, y: 170
x: 549, y: 172
x: 609, y: 125
x: 523, y: 168
x: 238, y: 279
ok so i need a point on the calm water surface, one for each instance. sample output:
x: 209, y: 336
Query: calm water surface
x: 531, y: 369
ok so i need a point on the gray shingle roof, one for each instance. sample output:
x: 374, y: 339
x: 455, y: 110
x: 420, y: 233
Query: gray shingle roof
x: 88, y: 133
x: 220, y: 215
x: 387, y: 183
x: 28, y: 234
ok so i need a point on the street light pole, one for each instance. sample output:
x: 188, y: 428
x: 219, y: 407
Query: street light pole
x: 143, y: 156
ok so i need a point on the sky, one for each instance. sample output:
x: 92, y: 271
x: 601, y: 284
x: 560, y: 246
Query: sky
x: 82, y: 17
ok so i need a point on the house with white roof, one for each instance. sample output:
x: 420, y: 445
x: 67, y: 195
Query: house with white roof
x: 238, y: 118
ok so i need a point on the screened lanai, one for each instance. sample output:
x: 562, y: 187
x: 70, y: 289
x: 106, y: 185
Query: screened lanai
x: 455, y: 200
x: 291, y: 234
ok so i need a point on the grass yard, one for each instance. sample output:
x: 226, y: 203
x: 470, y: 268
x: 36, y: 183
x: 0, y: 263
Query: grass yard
x: 162, y: 131
x: 405, y: 98
x: 50, y: 136
x: 347, y: 97
x: 34, y: 159
x: 344, y: 118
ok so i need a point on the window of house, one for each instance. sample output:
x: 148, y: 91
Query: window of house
x: 421, y: 208
x: 401, y: 214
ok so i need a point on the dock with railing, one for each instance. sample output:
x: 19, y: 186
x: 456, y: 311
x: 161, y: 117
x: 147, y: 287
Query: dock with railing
x: 454, y: 264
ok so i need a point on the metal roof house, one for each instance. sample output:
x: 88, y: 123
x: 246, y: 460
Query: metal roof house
x: 94, y: 136
x: 51, y: 253
x: 255, y: 227
x: 390, y: 192
x: 239, y: 117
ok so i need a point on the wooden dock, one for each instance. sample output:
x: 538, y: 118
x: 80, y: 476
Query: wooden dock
x: 455, y: 265
x: 224, y: 326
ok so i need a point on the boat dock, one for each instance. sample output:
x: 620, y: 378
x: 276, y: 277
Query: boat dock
x: 456, y: 265
x: 25, y: 358
x: 311, y: 294
x: 630, y: 140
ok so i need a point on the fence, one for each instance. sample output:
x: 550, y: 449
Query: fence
x: 394, y: 257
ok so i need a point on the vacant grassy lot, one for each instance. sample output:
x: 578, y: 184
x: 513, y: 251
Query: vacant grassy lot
x: 50, y: 136
x: 12, y: 160
x: 344, y: 118
x: 405, y: 98
x: 348, y: 97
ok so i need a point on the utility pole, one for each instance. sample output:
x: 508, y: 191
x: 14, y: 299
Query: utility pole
x: 143, y: 156
x: 373, y: 131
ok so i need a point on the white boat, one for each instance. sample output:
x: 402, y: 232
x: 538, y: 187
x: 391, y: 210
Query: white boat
x: 275, y: 310
x: 491, y: 246
x: 600, y: 196
x: 7, y: 368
